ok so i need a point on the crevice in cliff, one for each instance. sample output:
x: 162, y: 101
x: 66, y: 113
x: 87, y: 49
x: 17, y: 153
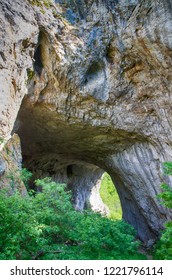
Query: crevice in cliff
x: 38, y: 64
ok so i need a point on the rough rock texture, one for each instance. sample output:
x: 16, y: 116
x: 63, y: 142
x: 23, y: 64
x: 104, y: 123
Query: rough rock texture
x: 96, y: 80
x: 95, y: 200
x: 81, y: 178
x: 11, y: 165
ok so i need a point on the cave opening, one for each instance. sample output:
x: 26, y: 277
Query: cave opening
x: 65, y: 162
x: 38, y: 66
x: 78, y: 155
x: 90, y: 186
x: 38, y: 55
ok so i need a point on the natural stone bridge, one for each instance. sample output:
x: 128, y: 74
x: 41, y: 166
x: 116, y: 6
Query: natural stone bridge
x: 87, y: 87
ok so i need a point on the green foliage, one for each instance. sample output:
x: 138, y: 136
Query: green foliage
x: 100, y: 238
x: 25, y: 175
x: 13, y: 179
x: 16, y: 177
x: 19, y: 231
x: 30, y: 75
x: 163, y: 249
x: 110, y: 197
x: 166, y: 196
x: 41, y: 3
x: 1, y: 140
x: 167, y: 168
x: 46, y: 226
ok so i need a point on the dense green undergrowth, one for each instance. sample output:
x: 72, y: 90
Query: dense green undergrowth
x: 163, y: 248
x: 110, y: 197
x: 44, y: 225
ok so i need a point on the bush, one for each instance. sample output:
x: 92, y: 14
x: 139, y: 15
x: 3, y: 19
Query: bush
x: 45, y: 226
x: 41, y: 3
x: 163, y: 249
x: 20, y: 232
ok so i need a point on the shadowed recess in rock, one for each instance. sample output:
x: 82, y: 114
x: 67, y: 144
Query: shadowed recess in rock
x: 77, y: 154
x: 38, y: 65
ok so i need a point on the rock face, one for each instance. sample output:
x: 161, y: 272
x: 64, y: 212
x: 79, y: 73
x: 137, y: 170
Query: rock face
x: 11, y: 165
x: 96, y: 202
x: 94, y: 78
x: 82, y: 179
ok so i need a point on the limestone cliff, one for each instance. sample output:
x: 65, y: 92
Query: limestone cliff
x: 89, y: 82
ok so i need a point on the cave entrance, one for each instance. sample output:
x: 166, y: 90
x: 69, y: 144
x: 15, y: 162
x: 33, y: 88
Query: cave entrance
x: 91, y: 187
x: 61, y: 151
x: 78, y: 154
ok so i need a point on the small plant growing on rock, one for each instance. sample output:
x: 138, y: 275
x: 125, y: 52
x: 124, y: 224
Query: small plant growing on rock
x: 41, y: 3
x: 25, y: 175
x: 1, y: 140
x: 15, y: 178
x: 30, y: 75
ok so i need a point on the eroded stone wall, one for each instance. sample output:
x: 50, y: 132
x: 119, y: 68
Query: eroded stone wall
x: 96, y: 82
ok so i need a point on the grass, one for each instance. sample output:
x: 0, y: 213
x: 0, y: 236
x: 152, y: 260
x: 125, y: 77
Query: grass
x: 110, y: 198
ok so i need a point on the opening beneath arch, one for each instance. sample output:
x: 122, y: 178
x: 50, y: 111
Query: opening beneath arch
x: 110, y: 197
x: 78, y: 154
x: 91, y: 188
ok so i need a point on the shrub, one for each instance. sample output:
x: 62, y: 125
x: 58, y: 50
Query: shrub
x: 1, y: 140
x: 45, y: 226
x: 15, y: 178
x: 25, y: 175
x: 19, y: 230
x: 41, y: 3
x: 163, y: 249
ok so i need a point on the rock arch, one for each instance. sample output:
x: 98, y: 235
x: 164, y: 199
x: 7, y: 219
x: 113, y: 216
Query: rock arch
x: 102, y: 96
x: 51, y: 145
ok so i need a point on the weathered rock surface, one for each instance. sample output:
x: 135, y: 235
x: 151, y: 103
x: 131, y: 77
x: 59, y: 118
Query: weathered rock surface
x: 96, y: 201
x: 95, y: 80
x: 82, y: 179
x: 11, y: 165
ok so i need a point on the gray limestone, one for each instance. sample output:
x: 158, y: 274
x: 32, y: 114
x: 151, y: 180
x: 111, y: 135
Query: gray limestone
x: 91, y: 82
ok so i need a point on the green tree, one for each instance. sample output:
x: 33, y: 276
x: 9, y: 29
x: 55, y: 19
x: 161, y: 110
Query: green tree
x: 25, y: 175
x: 45, y: 225
x: 163, y: 249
